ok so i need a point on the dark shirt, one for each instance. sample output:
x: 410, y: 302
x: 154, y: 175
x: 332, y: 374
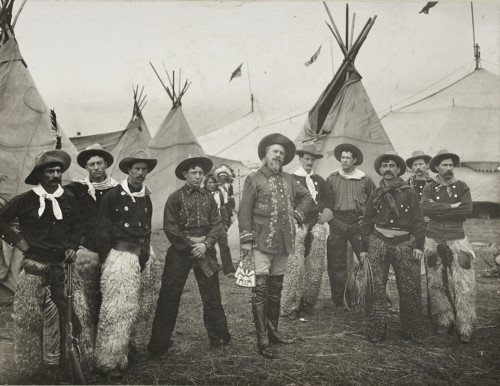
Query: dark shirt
x: 44, y: 233
x: 446, y: 223
x: 122, y: 220
x: 89, y: 210
x: 324, y: 198
x: 266, y: 214
x: 350, y: 196
x: 418, y: 185
x: 410, y: 219
x: 191, y: 213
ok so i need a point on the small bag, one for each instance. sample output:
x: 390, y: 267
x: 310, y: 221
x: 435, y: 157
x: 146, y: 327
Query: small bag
x: 245, y: 273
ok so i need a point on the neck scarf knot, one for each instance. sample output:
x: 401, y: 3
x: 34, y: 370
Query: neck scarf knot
x: 445, y: 184
x: 142, y: 193
x: 309, y: 182
x: 93, y: 186
x: 43, y: 195
x: 383, y: 198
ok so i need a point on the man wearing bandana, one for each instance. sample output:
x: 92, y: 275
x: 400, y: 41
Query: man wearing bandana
x: 87, y: 268
x: 447, y: 201
x: 123, y: 245
x: 351, y: 188
x: 418, y: 164
x: 393, y: 233
x: 305, y: 267
x: 51, y: 230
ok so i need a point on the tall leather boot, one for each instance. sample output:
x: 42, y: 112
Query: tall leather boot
x: 275, y: 285
x: 259, y: 300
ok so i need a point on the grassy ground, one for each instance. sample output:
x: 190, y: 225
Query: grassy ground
x: 330, y: 348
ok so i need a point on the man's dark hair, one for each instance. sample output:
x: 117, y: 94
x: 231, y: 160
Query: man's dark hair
x: 192, y: 166
x: 90, y: 155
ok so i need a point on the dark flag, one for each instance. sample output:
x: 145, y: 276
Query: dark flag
x: 313, y: 58
x: 428, y: 6
x: 236, y: 73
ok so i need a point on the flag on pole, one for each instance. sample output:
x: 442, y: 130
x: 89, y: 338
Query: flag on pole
x: 313, y: 58
x: 428, y: 6
x: 236, y: 73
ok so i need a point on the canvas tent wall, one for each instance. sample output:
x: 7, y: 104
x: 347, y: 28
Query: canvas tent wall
x: 106, y: 140
x: 25, y: 128
x: 464, y: 118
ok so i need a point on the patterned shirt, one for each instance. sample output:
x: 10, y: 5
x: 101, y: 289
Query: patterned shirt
x: 418, y: 185
x: 191, y: 213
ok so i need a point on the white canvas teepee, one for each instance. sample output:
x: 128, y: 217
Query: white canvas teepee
x: 135, y: 136
x: 345, y: 114
x: 25, y: 128
x: 172, y: 143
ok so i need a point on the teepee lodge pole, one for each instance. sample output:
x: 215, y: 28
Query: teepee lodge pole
x: 341, y: 43
x: 352, y: 29
x: 347, y: 26
x: 17, y: 14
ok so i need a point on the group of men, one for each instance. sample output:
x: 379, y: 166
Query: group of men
x: 104, y: 227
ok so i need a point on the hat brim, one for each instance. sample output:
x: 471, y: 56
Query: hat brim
x: 277, y: 139
x: 91, y: 152
x: 400, y: 162
x: 127, y: 161
x: 438, y: 158
x: 425, y: 157
x: 356, y: 152
x: 301, y: 153
x: 54, y: 157
x: 206, y: 165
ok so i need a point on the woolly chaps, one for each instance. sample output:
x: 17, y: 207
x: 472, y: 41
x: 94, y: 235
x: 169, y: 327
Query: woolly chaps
x: 28, y: 325
x: 303, y: 275
x: 462, y: 286
x: 86, y: 301
x: 128, y: 298
x: 407, y: 271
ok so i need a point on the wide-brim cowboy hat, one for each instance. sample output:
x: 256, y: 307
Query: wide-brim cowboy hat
x: 418, y: 154
x: 91, y: 151
x: 277, y: 139
x: 47, y: 158
x: 441, y: 155
x: 356, y: 152
x: 400, y: 162
x: 205, y: 163
x: 137, y: 156
x: 310, y: 149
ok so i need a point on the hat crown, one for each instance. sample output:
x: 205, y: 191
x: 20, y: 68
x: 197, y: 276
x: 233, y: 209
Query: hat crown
x: 139, y: 153
x: 309, y: 148
x: 442, y: 151
x: 95, y: 146
x: 417, y: 153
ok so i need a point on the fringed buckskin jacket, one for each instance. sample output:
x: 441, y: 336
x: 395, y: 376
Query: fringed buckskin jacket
x: 266, y: 213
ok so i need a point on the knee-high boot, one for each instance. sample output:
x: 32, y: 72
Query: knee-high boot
x: 275, y: 285
x: 259, y: 300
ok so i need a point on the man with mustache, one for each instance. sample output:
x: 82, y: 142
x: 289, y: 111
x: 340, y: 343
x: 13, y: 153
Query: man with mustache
x: 447, y: 201
x: 192, y: 224
x: 418, y: 164
x: 51, y: 230
x: 306, y: 265
x: 123, y: 245
x: 89, y: 193
x: 351, y: 188
x: 393, y: 233
x: 267, y: 230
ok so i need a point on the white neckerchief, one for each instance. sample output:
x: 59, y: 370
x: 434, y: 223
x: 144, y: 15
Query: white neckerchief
x: 309, y: 182
x: 43, y: 195
x: 356, y: 174
x: 216, y: 198
x: 225, y: 191
x: 93, y: 186
x: 142, y: 193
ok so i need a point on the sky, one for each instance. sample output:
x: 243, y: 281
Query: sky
x: 85, y: 56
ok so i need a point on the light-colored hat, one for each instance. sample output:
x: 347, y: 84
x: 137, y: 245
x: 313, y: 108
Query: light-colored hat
x: 46, y: 158
x: 310, y: 149
x: 417, y: 154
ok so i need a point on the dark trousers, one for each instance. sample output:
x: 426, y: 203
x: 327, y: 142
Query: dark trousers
x: 225, y: 255
x: 177, y: 268
x: 340, y: 234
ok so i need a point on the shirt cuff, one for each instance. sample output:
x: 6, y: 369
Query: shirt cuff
x: 246, y: 237
x: 12, y: 239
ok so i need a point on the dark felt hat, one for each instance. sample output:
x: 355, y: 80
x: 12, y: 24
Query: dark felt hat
x: 91, y: 151
x: 391, y: 156
x: 417, y: 154
x: 139, y: 155
x: 441, y: 155
x: 206, y: 165
x: 277, y: 139
x: 356, y: 153
x: 310, y: 149
x: 47, y: 158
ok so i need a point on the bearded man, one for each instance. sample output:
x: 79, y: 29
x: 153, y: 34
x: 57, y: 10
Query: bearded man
x: 447, y: 201
x: 87, y: 269
x: 267, y: 230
